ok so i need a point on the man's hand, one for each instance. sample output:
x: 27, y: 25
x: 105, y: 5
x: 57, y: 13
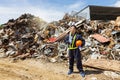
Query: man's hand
x: 79, y: 47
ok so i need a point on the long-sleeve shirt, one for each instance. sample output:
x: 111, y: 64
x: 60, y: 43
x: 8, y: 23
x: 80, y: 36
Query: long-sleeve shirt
x: 78, y: 37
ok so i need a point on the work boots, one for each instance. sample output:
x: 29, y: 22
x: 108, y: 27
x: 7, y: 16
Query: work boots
x: 82, y: 73
x: 70, y: 72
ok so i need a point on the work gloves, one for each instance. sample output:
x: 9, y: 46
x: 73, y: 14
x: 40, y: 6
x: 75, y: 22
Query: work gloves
x: 80, y: 48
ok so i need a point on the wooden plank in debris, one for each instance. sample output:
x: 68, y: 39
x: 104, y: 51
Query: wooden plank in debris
x: 63, y: 34
x: 100, y: 38
x: 103, y: 64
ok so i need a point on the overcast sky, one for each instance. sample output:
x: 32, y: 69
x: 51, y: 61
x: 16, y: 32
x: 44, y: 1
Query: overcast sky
x: 48, y: 10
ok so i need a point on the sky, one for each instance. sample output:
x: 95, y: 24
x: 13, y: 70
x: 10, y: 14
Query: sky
x: 48, y: 10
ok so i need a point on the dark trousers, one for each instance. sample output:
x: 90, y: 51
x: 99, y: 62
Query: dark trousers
x: 75, y: 54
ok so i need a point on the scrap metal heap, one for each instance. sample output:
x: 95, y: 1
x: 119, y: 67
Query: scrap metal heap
x: 20, y: 38
x: 28, y: 36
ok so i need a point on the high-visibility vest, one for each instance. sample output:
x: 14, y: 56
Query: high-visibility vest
x: 73, y: 41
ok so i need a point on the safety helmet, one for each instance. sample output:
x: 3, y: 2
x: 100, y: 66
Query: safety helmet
x: 78, y: 43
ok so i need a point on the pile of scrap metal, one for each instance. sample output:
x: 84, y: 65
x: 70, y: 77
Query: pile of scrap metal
x: 102, y: 37
x: 29, y: 36
x: 20, y: 38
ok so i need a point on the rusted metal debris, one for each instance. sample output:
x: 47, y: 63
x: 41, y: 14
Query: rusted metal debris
x: 20, y: 37
x: 29, y: 36
x: 100, y: 38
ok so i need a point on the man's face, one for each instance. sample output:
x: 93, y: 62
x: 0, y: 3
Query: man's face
x: 72, y: 30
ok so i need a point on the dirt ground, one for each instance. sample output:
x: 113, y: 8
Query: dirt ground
x: 32, y: 69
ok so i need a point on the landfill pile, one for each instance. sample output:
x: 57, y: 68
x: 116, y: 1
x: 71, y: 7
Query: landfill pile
x: 28, y: 36
x: 20, y: 38
x: 102, y: 37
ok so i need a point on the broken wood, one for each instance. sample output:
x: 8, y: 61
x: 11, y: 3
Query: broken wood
x: 108, y: 65
x: 63, y: 34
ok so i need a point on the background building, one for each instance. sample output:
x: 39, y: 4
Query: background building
x: 93, y: 12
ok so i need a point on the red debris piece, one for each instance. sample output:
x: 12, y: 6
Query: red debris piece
x: 52, y: 39
x: 100, y: 38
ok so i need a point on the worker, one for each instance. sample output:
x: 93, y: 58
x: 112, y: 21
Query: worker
x: 74, y: 50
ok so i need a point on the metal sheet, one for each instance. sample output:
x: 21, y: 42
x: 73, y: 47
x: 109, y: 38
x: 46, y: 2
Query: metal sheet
x: 100, y: 38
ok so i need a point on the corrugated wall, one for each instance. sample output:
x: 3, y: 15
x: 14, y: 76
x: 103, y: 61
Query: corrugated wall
x: 100, y: 12
x: 104, y: 13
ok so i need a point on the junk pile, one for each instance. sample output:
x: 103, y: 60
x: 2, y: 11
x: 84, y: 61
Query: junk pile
x: 29, y: 36
x: 20, y: 38
x: 102, y: 37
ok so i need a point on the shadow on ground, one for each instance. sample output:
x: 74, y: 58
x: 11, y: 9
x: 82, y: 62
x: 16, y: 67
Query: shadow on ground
x: 88, y: 72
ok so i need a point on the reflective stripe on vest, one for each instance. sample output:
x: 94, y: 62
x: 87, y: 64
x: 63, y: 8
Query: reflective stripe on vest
x: 71, y: 46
